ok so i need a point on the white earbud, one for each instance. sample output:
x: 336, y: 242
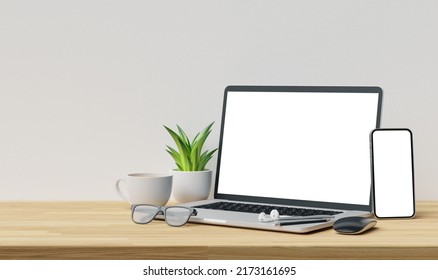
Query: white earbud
x: 275, y: 215
x: 264, y: 218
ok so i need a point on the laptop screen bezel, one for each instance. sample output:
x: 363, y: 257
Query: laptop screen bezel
x: 294, y: 202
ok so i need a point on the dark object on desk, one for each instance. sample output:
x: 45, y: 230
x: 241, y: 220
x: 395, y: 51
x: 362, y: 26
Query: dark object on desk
x: 354, y: 225
x: 299, y: 222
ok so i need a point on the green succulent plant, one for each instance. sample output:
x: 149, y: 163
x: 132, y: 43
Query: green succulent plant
x: 189, y: 155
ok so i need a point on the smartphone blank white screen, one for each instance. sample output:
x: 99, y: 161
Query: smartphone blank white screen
x: 393, y: 178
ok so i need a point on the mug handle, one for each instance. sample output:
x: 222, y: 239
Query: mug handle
x: 118, y: 189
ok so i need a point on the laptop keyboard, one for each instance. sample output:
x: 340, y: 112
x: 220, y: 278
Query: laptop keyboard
x: 258, y: 208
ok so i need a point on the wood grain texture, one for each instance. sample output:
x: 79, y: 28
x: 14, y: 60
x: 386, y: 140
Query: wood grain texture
x: 103, y: 230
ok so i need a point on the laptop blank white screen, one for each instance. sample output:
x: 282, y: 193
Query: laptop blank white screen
x: 298, y: 145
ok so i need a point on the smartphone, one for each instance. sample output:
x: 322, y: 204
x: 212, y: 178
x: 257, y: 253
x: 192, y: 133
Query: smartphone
x: 392, y: 170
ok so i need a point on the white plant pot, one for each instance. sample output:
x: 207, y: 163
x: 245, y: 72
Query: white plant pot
x: 191, y: 186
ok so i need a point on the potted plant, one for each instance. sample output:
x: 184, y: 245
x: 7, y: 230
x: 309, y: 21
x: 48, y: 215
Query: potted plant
x: 191, y: 181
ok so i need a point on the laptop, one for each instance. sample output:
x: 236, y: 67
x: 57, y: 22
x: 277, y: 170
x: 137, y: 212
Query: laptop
x: 301, y: 151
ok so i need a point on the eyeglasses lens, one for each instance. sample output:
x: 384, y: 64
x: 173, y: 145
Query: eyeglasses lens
x: 143, y: 214
x: 177, y: 216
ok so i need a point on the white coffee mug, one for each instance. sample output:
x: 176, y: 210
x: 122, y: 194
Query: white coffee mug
x: 146, y: 188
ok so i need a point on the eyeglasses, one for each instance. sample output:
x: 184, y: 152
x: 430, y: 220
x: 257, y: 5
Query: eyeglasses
x: 175, y: 216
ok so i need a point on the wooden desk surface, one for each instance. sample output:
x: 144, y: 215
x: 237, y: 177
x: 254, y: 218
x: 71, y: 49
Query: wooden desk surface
x: 103, y: 230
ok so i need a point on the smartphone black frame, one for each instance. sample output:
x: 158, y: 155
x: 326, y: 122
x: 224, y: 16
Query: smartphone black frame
x: 373, y: 175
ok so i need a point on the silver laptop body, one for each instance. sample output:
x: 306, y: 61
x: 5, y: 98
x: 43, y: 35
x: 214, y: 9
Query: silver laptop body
x: 295, y: 147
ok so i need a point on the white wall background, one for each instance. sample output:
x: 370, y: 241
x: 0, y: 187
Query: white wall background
x: 85, y: 86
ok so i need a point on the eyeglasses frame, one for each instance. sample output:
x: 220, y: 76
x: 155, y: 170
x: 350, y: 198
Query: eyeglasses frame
x: 162, y: 210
